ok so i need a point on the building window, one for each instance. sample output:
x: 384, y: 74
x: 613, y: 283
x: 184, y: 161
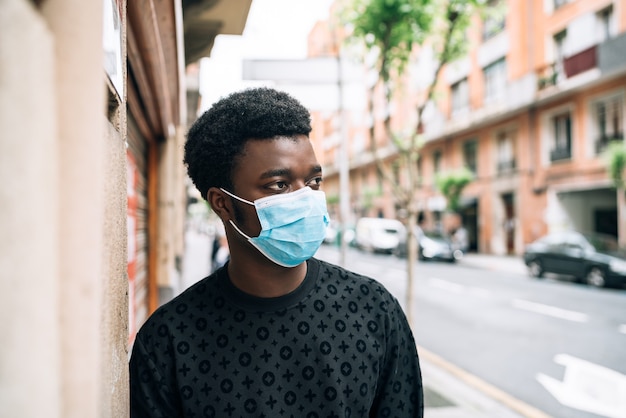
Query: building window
x: 436, y: 162
x: 561, y: 125
x: 470, y: 158
x: 495, y: 79
x: 607, y: 122
x: 560, y: 3
x: 419, y: 170
x: 505, y: 151
x: 395, y: 170
x: 605, y: 26
x: 494, y: 20
x: 460, y: 96
x: 558, y: 41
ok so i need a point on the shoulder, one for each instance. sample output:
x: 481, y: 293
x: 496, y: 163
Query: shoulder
x: 348, y: 281
x: 163, y: 321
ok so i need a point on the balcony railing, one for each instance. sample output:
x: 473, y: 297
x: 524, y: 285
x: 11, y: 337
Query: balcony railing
x: 560, y: 153
x: 611, y: 54
x: 603, y: 142
x: 581, y: 62
x: 506, y: 165
x: 552, y: 74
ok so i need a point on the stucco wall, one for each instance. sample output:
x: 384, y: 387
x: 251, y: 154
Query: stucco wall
x: 30, y: 359
x: 62, y: 217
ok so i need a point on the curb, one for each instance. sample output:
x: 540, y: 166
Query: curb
x: 493, y: 392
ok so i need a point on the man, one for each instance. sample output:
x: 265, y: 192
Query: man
x: 275, y: 332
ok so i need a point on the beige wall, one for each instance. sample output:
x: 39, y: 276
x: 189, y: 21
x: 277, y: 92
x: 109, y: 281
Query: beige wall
x: 62, y: 223
x: 29, y: 209
x: 172, y: 207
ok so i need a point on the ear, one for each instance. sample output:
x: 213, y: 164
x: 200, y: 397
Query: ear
x: 220, y: 203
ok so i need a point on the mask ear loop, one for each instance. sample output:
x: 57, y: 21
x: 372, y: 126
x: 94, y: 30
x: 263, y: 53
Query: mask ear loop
x: 230, y: 220
x: 239, y: 230
x: 237, y: 197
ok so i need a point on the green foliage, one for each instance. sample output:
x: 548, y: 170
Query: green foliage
x: 332, y: 199
x: 393, y: 28
x: 368, y: 195
x: 451, y: 185
x: 615, y: 155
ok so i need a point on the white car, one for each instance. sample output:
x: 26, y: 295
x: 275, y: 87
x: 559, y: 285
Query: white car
x: 378, y: 234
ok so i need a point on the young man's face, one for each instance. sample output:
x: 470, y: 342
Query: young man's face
x: 269, y: 167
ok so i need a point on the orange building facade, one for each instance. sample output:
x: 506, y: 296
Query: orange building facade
x: 529, y: 110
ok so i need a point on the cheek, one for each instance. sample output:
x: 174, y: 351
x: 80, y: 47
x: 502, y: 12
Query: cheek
x: 248, y: 219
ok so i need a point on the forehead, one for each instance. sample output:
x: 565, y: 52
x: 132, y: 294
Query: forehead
x: 281, y: 153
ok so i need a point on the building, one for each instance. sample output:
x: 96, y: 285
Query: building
x: 94, y: 105
x: 528, y: 110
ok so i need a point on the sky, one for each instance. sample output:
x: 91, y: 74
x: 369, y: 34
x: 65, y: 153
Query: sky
x: 275, y: 29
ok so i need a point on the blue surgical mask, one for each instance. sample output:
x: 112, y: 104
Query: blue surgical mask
x: 293, y: 225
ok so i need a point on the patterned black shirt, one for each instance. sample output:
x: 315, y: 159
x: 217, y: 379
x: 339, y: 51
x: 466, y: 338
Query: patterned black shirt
x: 337, y: 346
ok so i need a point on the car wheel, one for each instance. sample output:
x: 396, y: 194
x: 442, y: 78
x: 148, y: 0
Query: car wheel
x: 596, y: 277
x: 535, y: 269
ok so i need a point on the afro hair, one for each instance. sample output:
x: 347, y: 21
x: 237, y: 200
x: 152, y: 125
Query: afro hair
x: 217, y: 138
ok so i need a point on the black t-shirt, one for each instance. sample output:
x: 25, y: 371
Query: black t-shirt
x: 337, y: 346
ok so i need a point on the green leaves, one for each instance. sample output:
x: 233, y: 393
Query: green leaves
x: 451, y: 185
x: 393, y: 27
x: 615, y: 155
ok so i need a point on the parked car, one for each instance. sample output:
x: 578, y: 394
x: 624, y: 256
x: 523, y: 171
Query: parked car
x: 378, y: 234
x: 594, y: 259
x: 433, y: 245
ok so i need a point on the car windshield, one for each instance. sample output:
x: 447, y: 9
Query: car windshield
x: 604, y: 243
x: 434, y: 235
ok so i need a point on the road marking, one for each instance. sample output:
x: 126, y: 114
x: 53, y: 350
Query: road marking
x: 622, y: 328
x: 550, y: 311
x: 446, y: 285
x: 588, y: 387
x: 457, y: 288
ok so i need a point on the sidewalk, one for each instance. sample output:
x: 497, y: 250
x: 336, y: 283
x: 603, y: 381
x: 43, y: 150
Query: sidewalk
x: 449, y: 392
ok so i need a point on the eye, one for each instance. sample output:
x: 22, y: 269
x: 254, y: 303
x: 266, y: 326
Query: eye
x: 315, y: 182
x: 278, y: 186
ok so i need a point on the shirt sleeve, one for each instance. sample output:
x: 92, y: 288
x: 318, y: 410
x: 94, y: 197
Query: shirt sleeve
x: 152, y: 394
x: 399, y: 392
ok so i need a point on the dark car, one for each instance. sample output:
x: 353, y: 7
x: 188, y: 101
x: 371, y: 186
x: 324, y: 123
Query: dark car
x: 590, y: 258
x: 433, y: 245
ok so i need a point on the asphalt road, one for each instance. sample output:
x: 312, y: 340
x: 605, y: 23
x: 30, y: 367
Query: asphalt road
x: 555, y: 345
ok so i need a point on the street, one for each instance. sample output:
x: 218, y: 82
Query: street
x: 557, y: 346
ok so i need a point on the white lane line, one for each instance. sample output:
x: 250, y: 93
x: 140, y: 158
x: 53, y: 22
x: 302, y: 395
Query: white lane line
x: 446, y: 285
x: 622, y: 328
x: 457, y: 288
x: 550, y: 310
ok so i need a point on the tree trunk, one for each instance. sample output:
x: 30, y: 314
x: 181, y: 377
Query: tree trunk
x: 411, y: 257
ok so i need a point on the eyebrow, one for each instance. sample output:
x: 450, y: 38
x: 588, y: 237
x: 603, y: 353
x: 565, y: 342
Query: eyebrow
x: 278, y: 172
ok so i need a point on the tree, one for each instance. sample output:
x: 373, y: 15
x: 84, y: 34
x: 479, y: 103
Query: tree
x: 394, y: 33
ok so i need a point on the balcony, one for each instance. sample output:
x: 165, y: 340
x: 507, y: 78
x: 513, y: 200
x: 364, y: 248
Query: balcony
x: 547, y: 76
x: 585, y: 60
x: 603, y: 142
x: 554, y: 73
x: 611, y: 54
x: 506, y: 165
x: 560, y: 153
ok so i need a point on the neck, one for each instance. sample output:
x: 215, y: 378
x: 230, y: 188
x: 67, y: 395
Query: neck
x: 262, y: 278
